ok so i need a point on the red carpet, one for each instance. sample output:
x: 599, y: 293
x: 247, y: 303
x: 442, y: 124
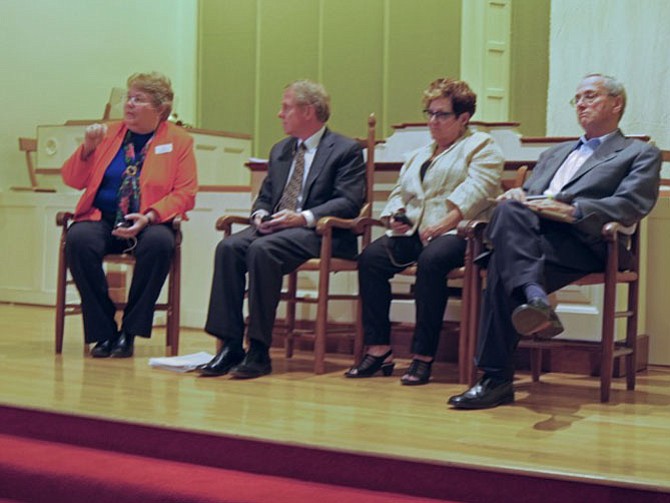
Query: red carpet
x: 56, y: 457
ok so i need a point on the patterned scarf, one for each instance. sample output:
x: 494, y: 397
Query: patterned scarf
x: 128, y: 197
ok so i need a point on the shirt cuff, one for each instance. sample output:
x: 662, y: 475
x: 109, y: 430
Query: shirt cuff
x: 309, y: 217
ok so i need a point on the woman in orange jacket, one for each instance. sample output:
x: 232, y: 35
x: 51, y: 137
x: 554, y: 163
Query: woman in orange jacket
x: 137, y: 175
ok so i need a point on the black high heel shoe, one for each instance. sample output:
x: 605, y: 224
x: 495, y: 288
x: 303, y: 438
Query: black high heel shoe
x: 418, y: 373
x: 370, y: 365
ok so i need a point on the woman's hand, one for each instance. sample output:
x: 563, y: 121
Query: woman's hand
x: 399, y: 227
x: 139, y: 220
x: 448, y: 223
x: 93, y: 136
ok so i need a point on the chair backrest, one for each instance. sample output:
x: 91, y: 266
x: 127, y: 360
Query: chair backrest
x: 369, y: 143
x: 29, y: 146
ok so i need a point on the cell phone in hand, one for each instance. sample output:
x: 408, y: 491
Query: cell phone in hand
x: 266, y: 218
x: 401, y: 216
x: 124, y: 224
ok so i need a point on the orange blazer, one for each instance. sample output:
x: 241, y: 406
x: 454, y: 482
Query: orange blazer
x: 168, y: 180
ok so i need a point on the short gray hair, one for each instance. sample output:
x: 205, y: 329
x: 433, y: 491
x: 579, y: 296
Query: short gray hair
x: 311, y: 93
x: 613, y: 87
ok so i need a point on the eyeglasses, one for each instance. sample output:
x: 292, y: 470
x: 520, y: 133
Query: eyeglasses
x: 587, y: 98
x: 438, y: 115
x: 135, y: 99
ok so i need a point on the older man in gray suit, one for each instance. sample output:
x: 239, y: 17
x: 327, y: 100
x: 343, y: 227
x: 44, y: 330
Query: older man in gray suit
x: 311, y: 174
x: 539, y: 244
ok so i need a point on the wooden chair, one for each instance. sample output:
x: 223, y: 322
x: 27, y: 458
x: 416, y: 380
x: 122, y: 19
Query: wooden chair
x: 29, y: 147
x: 607, y: 348
x: 171, y: 306
x: 466, y: 347
x: 324, y: 265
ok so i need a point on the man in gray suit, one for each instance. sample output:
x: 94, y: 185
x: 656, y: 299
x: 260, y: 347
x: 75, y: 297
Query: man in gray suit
x: 548, y: 233
x: 311, y: 174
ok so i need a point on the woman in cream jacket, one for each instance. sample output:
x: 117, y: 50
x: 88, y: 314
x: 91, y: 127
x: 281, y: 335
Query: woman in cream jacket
x: 448, y: 180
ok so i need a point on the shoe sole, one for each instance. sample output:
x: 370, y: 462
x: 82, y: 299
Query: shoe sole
x: 529, y: 321
x: 465, y: 406
x: 420, y: 382
x: 244, y: 375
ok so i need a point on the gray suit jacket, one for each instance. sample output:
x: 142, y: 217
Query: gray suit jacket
x: 335, y: 185
x: 619, y: 182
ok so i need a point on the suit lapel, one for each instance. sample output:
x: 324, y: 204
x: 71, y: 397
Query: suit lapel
x: 606, y: 152
x: 323, y: 152
x: 553, y: 163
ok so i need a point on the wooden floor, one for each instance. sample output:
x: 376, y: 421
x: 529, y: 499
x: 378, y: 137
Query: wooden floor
x: 556, y: 428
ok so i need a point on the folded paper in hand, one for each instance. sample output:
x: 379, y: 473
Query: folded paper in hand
x: 185, y: 363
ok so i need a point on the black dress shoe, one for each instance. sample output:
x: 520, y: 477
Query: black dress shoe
x: 224, y: 360
x: 124, y: 346
x: 255, y: 364
x: 485, y: 394
x: 536, y: 317
x: 103, y: 349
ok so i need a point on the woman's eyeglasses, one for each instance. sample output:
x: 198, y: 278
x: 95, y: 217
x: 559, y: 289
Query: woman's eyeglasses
x: 437, y: 115
x: 135, y: 99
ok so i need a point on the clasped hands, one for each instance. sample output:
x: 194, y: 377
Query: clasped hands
x: 283, y: 219
x: 139, y: 220
x: 540, y: 204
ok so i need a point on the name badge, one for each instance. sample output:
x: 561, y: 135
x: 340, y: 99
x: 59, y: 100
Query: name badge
x: 163, y: 149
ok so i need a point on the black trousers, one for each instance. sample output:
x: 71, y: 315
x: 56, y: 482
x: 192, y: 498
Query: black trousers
x: 434, y: 262
x: 266, y: 259
x: 86, y: 245
x: 526, y: 249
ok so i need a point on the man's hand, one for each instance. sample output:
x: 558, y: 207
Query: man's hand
x: 283, y: 219
x: 516, y: 194
x: 553, y: 206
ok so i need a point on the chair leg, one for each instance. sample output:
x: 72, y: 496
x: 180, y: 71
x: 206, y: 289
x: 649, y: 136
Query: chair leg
x: 321, y: 319
x: 359, y: 334
x: 290, y: 313
x: 631, y: 335
x: 61, y: 290
x: 607, y: 342
x: 465, y: 363
x: 536, y: 363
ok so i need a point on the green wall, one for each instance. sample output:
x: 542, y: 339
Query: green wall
x: 529, y: 65
x: 372, y: 56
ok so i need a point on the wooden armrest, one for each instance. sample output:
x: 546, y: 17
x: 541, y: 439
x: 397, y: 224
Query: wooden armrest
x: 471, y: 229
x: 63, y: 218
x: 225, y: 223
x: 325, y: 224
x: 356, y: 225
x: 611, y: 231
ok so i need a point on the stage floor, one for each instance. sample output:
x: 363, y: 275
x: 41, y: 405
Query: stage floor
x: 557, y: 428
